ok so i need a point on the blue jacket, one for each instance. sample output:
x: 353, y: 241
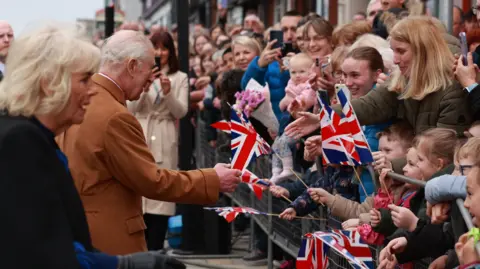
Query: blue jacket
x: 277, y: 81
x: 94, y: 260
x: 296, y: 188
x: 370, y: 132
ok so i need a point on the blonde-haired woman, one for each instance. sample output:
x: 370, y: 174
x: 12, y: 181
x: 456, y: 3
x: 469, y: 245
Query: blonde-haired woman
x: 46, y: 89
x: 244, y: 50
x: 422, y: 90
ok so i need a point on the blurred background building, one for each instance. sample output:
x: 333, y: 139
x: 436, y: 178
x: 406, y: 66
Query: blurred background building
x: 163, y: 12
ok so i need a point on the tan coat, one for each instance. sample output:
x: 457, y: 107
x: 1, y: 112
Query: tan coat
x: 113, y: 168
x: 157, y: 117
x: 345, y: 209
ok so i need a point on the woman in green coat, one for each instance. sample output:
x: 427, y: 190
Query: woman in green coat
x: 422, y: 90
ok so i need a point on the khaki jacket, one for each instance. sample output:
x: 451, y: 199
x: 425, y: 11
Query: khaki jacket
x: 113, y: 168
x: 446, y: 108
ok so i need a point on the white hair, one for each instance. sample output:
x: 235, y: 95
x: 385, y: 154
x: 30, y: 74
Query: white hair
x: 247, y: 42
x: 124, y: 45
x: 217, y: 55
x: 370, y: 4
x: 380, y: 44
x: 39, y: 67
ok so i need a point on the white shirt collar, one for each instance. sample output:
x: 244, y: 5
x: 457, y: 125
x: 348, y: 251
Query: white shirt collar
x: 113, y: 81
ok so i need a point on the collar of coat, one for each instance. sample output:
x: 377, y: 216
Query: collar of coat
x: 110, y: 86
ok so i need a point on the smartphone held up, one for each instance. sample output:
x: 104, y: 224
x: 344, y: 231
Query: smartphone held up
x: 158, y: 62
x: 285, y: 47
x: 464, y: 47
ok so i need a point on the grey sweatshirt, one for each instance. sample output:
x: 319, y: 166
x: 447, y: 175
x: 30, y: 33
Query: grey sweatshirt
x: 445, y: 188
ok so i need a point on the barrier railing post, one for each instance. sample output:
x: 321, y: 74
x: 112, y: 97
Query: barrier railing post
x: 306, y: 226
x: 467, y: 218
x: 407, y: 179
x: 270, y: 232
x: 252, y: 222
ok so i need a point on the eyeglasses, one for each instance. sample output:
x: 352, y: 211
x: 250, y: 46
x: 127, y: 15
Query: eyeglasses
x: 475, y: 9
x: 464, y: 169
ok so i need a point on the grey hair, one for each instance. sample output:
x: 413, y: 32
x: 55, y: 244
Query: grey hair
x: 380, y: 44
x: 123, y: 45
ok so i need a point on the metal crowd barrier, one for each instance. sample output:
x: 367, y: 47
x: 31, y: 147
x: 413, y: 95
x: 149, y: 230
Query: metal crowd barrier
x: 285, y: 234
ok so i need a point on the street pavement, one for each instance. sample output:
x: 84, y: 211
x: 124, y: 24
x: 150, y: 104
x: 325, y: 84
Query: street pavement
x: 239, y: 249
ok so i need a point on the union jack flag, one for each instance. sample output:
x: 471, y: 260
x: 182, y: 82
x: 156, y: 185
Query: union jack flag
x: 312, y: 253
x: 222, y: 125
x: 256, y: 184
x: 246, y: 143
x: 337, y: 142
x: 230, y: 213
x: 350, y: 245
x: 361, y: 145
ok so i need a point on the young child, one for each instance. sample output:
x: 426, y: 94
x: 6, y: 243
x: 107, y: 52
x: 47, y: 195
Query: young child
x: 434, y: 149
x: 394, y: 143
x: 465, y: 248
x: 388, y: 193
x: 299, y: 90
x: 437, y: 239
x: 336, y: 179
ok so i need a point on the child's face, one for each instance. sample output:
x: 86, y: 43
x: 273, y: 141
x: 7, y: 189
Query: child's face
x: 358, y: 77
x: 411, y: 169
x: 392, y: 148
x: 299, y: 71
x: 473, y: 195
x: 427, y: 166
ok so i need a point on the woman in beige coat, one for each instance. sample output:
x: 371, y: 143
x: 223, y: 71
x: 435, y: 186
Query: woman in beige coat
x: 157, y: 110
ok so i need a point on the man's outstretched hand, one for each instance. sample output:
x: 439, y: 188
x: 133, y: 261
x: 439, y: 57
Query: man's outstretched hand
x: 229, y: 178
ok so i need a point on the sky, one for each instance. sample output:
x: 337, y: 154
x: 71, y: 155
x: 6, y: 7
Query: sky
x: 20, y: 13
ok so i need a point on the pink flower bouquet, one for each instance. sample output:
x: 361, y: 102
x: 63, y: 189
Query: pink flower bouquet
x: 248, y: 101
x: 255, y: 102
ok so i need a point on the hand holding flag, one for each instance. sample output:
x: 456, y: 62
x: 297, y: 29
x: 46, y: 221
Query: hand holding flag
x: 229, y: 178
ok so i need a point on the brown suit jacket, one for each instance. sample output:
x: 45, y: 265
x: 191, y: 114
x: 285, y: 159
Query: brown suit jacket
x: 113, y: 168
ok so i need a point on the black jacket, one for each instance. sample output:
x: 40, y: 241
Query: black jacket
x: 42, y: 214
x: 474, y: 100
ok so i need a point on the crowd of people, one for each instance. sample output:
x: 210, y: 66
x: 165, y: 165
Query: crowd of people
x: 411, y: 92
x: 89, y: 133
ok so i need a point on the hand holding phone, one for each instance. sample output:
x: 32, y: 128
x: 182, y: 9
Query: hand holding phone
x: 318, y: 68
x: 269, y: 54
